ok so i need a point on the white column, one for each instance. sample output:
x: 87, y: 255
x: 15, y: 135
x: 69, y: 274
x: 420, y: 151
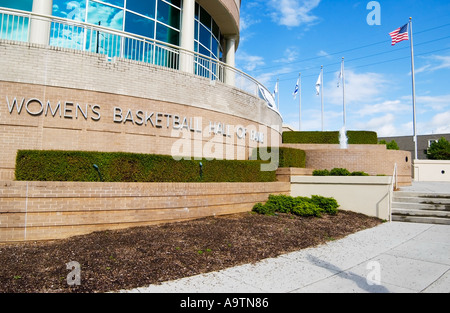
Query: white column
x: 40, y: 27
x: 230, y: 60
x: 187, y: 36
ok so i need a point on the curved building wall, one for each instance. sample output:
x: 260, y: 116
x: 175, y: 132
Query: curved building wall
x: 61, y: 99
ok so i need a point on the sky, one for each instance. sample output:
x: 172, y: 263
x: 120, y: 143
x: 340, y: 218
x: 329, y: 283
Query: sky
x: 281, y: 39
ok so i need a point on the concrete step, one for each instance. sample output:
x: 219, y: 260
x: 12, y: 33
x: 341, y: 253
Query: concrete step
x: 417, y: 219
x: 420, y: 213
x: 421, y: 206
x: 423, y: 200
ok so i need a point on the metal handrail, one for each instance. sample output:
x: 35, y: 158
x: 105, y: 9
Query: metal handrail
x: 201, y: 63
x: 393, y: 187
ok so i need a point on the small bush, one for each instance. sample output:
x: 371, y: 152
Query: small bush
x: 328, y: 205
x: 340, y: 172
x: 300, y: 206
x: 359, y: 174
x: 306, y: 209
x: 321, y: 173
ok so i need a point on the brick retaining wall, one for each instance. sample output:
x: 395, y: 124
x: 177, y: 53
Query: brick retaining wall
x: 56, y: 210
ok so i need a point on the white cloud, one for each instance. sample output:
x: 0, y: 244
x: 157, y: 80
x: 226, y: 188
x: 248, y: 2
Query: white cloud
x: 359, y: 88
x: 293, y: 13
x: 383, y: 125
x: 290, y: 55
x: 323, y: 53
x: 249, y: 62
x: 440, y: 123
x: 439, y: 62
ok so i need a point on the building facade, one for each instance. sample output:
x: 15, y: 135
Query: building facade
x: 423, y: 143
x: 153, y: 76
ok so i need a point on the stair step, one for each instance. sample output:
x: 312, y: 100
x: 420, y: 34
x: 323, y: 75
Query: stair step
x: 420, y: 213
x: 421, y: 206
x: 423, y: 200
x: 417, y: 219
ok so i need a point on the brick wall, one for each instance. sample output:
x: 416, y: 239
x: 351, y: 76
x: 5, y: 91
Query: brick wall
x: 55, y: 210
x: 86, y: 83
x: 372, y: 161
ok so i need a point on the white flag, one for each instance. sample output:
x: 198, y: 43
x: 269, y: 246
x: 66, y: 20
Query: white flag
x: 276, y: 90
x: 341, y: 75
x: 297, y: 88
x: 318, y: 84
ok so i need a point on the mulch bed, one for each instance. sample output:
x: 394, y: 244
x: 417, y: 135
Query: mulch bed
x: 137, y: 257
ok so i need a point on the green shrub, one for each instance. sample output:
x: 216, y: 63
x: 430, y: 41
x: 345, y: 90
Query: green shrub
x: 32, y: 165
x: 321, y: 173
x: 339, y: 172
x: 287, y: 157
x: 306, y: 209
x: 354, y: 137
x: 359, y: 174
x: 300, y: 206
x: 390, y: 145
x: 328, y: 205
x: 362, y: 137
x: 311, y: 137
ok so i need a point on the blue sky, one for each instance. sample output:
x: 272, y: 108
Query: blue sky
x: 282, y: 38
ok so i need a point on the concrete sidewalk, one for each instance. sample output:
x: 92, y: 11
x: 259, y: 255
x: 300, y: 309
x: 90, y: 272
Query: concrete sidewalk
x: 402, y: 257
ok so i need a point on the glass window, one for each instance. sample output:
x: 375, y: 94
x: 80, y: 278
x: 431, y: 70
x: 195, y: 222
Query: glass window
x: 146, y: 8
x: 205, y: 37
x: 205, y: 18
x: 70, y: 9
x: 176, y: 3
x: 215, y: 47
x: 105, y: 15
x: 115, y: 2
x: 168, y: 14
x: 167, y: 34
x: 139, y: 25
x: 24, y: 5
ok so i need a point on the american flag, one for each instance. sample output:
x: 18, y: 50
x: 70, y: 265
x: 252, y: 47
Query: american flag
x: 399, y: 34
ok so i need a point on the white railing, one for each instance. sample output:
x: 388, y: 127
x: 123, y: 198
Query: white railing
x: 392, y: 189
x: 15, y: 25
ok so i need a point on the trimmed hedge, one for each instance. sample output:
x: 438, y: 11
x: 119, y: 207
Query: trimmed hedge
x: 338, y: 172
x: 78, y: 166
x: 354, y: 137
x: 288, y: 157
x: 300, y: 206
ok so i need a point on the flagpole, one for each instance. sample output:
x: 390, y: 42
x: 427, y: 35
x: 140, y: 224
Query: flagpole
x: 321, y: 85
x: 413, y: 90
x: 278, y: 94
x: 300, y: 100
x: 343, y: 92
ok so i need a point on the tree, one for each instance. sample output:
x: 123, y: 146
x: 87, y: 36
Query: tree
x: 391, y: 145
x: 439, y: 150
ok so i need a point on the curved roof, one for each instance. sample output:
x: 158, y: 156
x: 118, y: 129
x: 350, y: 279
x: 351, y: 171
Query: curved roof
x: 226, y: 13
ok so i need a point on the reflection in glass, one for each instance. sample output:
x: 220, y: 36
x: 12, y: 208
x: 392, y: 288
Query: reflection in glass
x: 70, y: 9
x: 168, y: 14
x: 138, y: 25
x: 104, y: 15
x: 146, y: 8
